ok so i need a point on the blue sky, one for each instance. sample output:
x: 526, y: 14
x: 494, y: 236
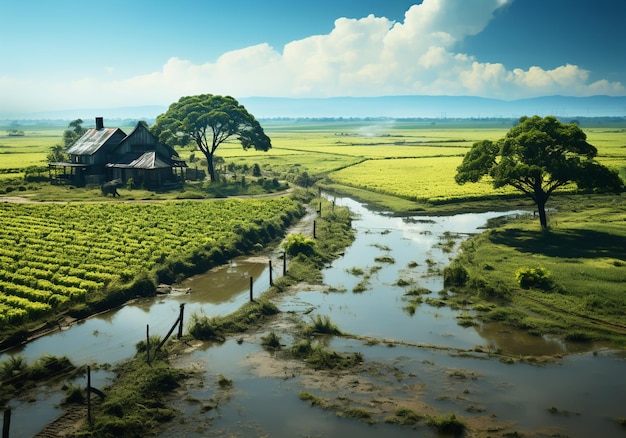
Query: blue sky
x: 62, y: 54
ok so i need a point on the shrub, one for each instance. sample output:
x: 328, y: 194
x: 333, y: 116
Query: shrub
x: 322, y: 325
x: 455, y: 275
x: 537, y: 278
x: 299, y: 244
x: 271, y: 341
x: 205, y: 328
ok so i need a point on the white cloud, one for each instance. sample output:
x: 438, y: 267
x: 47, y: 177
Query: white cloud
x: 360, y: 57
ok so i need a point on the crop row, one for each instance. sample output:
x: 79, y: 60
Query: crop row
x: 53, y: 254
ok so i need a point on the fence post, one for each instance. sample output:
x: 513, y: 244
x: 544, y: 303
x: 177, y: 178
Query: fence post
x: 284, y: 263
x: 314, y: 229
x: 148, y: 343
x: 7, y: 423
x: 251, y: 297
x: 271, y: 281
x: 180, y: 327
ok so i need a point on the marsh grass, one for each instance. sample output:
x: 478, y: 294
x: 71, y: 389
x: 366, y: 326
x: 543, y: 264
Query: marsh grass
x: 465, y: 320
x: 385, y: 259
x: 404, y: 417
x: 342, y: 408
x: 74, y: 394
x: 321, y: 324
x: 320, y: 358
x: 415, y: 291
x: 224, y: 382
x: 361, y: 286
x: 356, y: 271
x: 17, y: 375
x: 447, y: 424
x: 135, y: 404
x: 216, y: 328
x: 271, y: 341
x: 357, y: 413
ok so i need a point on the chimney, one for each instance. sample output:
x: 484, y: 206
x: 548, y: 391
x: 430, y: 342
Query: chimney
x: 99, y: 123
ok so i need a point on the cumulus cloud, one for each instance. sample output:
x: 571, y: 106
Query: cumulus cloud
x: 371, y: 56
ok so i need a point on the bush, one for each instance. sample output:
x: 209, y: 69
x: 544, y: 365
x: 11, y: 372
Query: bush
x: 271, y: 341
x: 299, y: 244
x: 455, y: 275
x: 535, y: 278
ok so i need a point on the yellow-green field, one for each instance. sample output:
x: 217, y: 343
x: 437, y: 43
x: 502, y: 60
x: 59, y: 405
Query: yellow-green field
x: 414, y: 160
x: 429, y: 179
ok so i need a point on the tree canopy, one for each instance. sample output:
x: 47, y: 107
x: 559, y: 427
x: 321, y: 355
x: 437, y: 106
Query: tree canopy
x: 74, y: 132
x: 208, y: 121
x: 537, y: 157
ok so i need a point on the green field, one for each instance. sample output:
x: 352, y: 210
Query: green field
x: 53, y: 255
x: 401, y: 166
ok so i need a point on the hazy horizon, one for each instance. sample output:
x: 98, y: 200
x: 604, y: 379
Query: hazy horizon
x: 504, y: 49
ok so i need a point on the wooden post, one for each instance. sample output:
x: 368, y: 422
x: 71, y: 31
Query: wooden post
x: 320, y: 210
x: 285, y: 263
x: 271, y: 281
x: 148, y: 343
x: 7, y: 423
x: 180, y: 318
x: 251, y: 297
x: 89, y: 394
x: 314, y: 229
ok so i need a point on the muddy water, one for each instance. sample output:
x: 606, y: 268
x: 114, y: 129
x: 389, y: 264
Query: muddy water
x: 585, y: 388
x: 111, y: 337
x: 580, y: 394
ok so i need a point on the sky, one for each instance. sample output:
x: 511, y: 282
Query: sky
x: 67, y: 54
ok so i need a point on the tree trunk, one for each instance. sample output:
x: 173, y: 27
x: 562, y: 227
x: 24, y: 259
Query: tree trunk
x: 541, y: 207
x: 210, y: 166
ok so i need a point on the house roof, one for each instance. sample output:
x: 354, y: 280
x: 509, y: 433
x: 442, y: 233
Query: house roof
x: 92, y: 140
x: 148, y: 160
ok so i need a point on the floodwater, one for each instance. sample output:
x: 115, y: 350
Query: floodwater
x: 581, y: 394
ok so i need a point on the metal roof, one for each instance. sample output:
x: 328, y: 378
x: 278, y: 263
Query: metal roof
x: 148, y: 160
x: 91, y: 141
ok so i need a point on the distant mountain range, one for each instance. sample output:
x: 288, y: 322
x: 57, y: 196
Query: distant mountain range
x: 436, y: 107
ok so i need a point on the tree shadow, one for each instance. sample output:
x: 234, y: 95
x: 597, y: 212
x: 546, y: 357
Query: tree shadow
x: 571, y: 243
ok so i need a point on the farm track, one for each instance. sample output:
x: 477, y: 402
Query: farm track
x: 596, y: 322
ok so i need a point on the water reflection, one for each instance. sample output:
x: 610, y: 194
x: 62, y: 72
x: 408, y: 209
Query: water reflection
x: 223, y: 283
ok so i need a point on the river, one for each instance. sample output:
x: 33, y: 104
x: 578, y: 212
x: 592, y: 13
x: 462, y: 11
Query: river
x: 581, y: 394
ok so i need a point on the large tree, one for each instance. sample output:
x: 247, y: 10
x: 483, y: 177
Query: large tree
x: 208, y: 121
x: 74, y: 132
x: 537, y: 157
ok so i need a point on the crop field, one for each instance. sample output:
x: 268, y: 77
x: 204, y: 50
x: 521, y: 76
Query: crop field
x: 425, y: 156
x: 429, y: 179
x: 57, y: 254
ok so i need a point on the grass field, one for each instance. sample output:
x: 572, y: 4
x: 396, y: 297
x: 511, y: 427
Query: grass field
x: 584, y: 256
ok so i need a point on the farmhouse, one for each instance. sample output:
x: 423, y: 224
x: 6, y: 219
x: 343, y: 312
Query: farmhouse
x: 103, y: 154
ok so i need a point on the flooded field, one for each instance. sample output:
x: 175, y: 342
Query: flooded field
x: 414, y: 357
